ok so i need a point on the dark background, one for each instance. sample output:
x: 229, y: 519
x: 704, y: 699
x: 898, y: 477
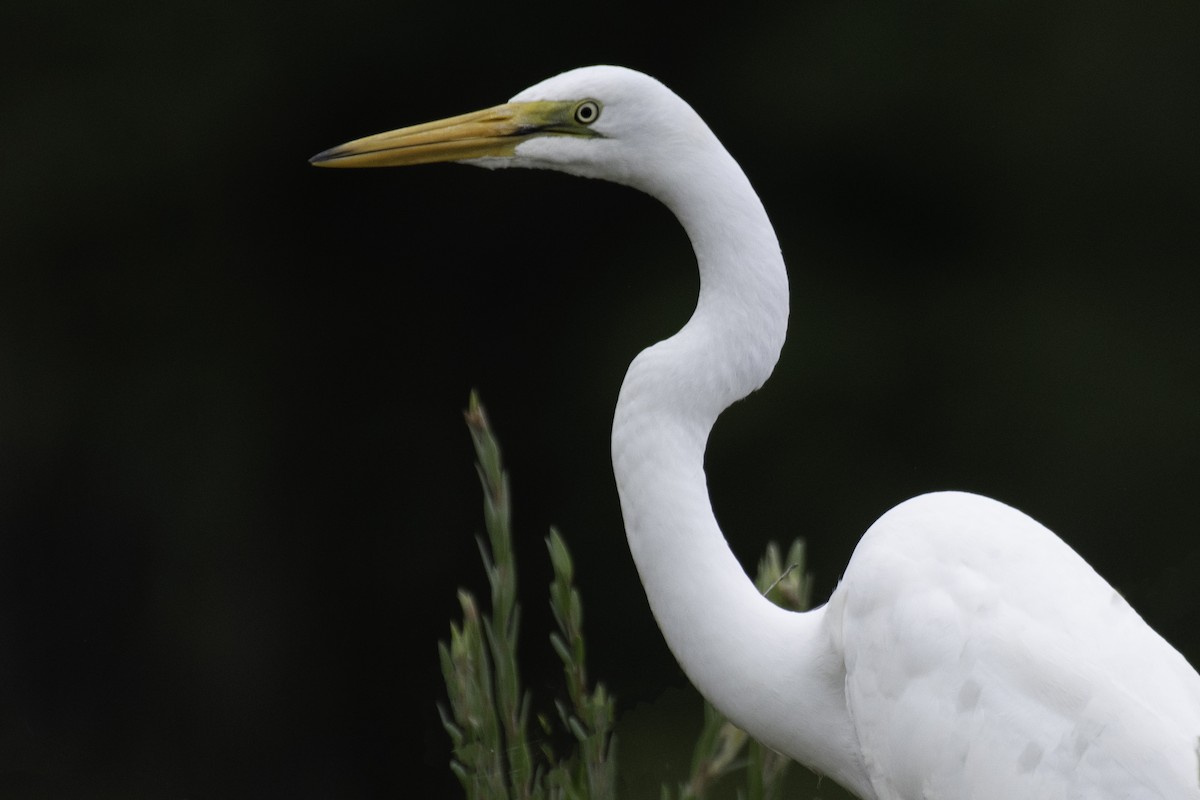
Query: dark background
x: 236, y: 495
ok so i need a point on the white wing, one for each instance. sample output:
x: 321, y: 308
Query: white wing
x: 985, y: 659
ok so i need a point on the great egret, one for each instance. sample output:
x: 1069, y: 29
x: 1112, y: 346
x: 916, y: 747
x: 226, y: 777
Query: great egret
x: 967, y: 653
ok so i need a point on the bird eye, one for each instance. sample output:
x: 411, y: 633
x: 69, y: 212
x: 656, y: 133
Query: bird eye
x: 587, y: 112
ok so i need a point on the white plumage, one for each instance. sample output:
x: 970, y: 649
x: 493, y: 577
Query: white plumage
x: 967, y: 654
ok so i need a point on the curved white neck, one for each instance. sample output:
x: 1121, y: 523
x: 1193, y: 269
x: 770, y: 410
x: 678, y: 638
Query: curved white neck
x: 767, y: 669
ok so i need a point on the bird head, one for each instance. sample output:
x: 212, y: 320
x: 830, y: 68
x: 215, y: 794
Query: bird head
x: 599, y: 122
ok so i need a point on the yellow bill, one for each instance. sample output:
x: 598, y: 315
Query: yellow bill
x: 493, y: 132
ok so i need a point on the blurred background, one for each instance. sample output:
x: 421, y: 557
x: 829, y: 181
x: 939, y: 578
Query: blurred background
x: 236, y: 494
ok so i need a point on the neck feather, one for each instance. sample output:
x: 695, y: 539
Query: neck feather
x: 774, y: 673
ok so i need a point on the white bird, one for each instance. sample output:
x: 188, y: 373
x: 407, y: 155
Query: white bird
x: 968, y: 653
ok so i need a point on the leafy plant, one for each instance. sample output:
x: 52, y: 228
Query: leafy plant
x: 488, y: 718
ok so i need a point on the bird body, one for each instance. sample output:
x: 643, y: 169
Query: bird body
x: 967, y: 653
x: 986, y: 659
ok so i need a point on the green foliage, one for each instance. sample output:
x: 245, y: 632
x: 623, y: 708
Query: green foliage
x: 488, y: 716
